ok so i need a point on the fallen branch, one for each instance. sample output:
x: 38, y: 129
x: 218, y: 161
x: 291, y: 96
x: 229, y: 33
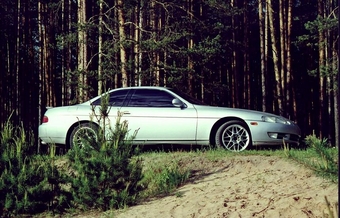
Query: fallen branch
x: 270, y: 201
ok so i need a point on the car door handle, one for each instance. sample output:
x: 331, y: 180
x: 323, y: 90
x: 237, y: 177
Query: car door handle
x: 126, y: 112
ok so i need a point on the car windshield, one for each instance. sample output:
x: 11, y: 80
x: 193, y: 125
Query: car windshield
x: 187, y: 97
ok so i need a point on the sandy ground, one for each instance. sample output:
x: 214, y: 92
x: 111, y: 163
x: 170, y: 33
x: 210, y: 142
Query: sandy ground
x: 249, y: 186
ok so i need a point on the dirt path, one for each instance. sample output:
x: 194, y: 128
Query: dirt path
x: 250, y: 186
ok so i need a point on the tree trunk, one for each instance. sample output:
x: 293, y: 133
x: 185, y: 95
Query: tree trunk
x: 17, y: 60
x: 100, y: 49
x: 41, y: 99
x: 337, y: 88
x: 262, y: 53
x: 282, y: 64
x: 234, y: 64
x: 291, y: 96
x: 246, y: 60
x: 68, y: 54
x: 122, y: 38
x: 203, y: 74
x: 321, y: 44
x: 278, y: 80
x: 66, y: 57
x: 266, y: 54
x: 82, y: 52
x: 63, y: 58
x: 136, y: 48
x: 190, y: 46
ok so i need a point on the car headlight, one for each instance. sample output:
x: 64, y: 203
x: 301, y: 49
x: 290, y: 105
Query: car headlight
x: 275, y: 119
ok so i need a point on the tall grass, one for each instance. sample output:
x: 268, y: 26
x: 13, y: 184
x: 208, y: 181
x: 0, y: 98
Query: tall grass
x: 160, y: 179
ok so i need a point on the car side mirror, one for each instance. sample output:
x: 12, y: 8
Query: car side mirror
x: 178, y: 103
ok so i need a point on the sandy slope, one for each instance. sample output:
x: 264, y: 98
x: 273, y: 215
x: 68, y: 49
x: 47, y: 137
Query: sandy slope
x: 250, y: 186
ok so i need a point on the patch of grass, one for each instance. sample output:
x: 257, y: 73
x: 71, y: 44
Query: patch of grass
x: 319, y: 156
x: 164, y: 175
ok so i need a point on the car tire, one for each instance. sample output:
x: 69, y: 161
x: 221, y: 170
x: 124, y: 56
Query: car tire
x: 83, y: 131
x: 233, y: 135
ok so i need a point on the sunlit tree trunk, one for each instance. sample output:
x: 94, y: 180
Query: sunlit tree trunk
x: 282, y: 60
x: 266, y: 54
x: 263, y: 54
x: 137, y: 53
x: 122, y: 38
x: 333, y: 35
x: 291, y: 96
x: 278, y: 80
x: 82, y: 52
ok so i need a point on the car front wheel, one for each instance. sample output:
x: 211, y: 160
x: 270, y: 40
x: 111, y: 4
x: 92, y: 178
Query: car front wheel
x: 83, y: 134
x: 233, y: 136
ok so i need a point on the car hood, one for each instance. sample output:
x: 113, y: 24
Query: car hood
x: 218, y: 112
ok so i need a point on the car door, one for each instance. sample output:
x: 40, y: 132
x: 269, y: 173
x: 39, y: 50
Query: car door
x: 151, y: 112
x: 116, y: 99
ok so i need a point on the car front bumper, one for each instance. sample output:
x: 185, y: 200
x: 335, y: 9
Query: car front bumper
x: 265, y: 133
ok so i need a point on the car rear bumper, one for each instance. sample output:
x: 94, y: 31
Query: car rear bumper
x: 47, y: 137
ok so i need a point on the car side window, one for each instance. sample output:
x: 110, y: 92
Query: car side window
x: 116, y: 98
x: 151, y: 98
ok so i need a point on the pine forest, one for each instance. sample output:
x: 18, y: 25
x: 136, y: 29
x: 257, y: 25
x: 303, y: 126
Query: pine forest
x: 275, y: 56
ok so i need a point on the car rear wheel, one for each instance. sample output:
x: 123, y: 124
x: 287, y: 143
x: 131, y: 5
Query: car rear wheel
x: 233, y: 136
x: 84, y: 133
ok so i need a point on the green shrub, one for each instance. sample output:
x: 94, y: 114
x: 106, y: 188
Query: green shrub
x: 28, y: 182
x: 105, y: 174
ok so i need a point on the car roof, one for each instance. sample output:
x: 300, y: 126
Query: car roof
x: 144, y: 87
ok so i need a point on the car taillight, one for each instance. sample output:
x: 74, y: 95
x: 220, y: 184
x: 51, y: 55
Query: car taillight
x: 45, y: 119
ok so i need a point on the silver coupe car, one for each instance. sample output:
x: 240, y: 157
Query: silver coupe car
x: 167, y: 116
